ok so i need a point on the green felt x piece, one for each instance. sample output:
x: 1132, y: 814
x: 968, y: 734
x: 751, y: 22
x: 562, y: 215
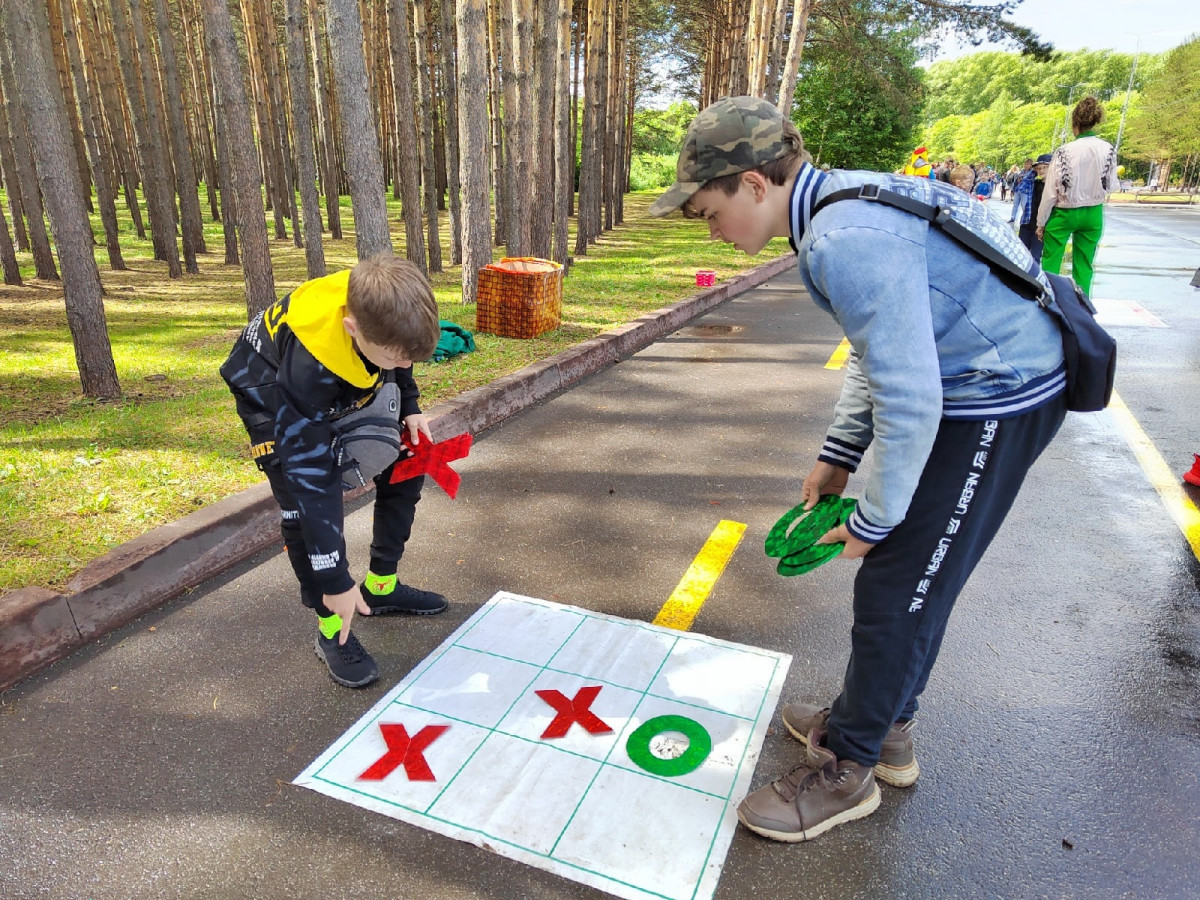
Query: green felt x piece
x: 792, y: 539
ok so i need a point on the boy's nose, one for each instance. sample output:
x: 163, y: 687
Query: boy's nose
x: 713, y: 231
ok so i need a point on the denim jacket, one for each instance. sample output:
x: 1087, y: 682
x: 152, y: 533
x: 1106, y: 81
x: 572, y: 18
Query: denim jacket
x: 933, y: 332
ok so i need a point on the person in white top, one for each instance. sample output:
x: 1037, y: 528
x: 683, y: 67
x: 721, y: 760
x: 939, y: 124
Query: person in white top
x: 1082, y: 174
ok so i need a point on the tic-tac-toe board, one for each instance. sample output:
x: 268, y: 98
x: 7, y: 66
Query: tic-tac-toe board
x: 609, y: 751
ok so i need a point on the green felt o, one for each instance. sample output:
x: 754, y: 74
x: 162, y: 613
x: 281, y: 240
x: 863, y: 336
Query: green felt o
x: 796, y: 548
x: 699, y: 745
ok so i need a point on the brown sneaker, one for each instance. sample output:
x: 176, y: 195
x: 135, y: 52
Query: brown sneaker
x: 815, y: 796
x: 897, y: 764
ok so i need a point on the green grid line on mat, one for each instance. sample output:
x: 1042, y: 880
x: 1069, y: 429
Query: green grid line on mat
x: 606, y: 762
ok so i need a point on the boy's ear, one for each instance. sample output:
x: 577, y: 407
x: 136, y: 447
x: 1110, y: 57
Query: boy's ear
x: 756, y: 183
x: 350, y: 325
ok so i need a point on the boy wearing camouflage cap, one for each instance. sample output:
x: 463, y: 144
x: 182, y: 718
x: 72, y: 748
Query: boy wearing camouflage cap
x: 954, y: 379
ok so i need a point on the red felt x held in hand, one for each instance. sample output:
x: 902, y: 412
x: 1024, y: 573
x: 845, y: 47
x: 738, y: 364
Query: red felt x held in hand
x: 431, y: 459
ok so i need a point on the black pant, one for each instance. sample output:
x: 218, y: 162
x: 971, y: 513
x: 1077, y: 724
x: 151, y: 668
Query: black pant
x: 1028, y: 236
x: 395, y: 509
x: 908, y: 583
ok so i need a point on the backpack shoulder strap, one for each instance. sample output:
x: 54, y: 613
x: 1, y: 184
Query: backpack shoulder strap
x: 1008, y: 271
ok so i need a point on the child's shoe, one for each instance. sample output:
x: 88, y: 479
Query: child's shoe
x: 349, y: 664
x: 1193, y: 477
x: 386, y: 594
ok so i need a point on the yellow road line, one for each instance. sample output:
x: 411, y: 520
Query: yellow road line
x: 1163, y: 480
x: 839, y: 355
x: 697, y: 583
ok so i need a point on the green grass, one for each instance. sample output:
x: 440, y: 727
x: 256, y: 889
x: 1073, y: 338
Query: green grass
x: 78, y: 477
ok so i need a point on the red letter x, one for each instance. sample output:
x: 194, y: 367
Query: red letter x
x: 575, y: 710
x: 404, y: 751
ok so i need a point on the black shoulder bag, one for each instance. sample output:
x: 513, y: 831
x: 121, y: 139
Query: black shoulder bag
x: 1089, y: 352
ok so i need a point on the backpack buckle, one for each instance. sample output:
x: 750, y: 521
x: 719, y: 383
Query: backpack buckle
x: 868, y: 191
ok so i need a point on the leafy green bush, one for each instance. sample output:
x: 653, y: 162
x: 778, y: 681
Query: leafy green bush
x: 652, y: 171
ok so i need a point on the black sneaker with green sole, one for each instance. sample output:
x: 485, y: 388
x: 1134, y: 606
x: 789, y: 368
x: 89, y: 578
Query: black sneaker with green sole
x: 349, y: 664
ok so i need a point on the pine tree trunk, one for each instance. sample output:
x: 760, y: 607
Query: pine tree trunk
x: 426, y: 113
x: 8, y: 254
x: 191, y: 224
x: 541, y: 224
x: 29, y: 42
x: 591, y: 161
x: 27, y: 174
x: 198, y: 94
x: 473, y: 140
x: 243, y: 163
x: 286, y: 190
x: 111, y: 108
x: 314, y: 249
x: 228, y: 192
x: 564, y: 159
x: 365, y: 169
x: 104, y: 194
x: 518, y: 109
x: 143, y: 103
x: 496, y: 123
x: 610, y: 118
x: 453, y: 150
x: 330, y: 170
x: 409, y: 174
x: 791, y: 67
x: 620, y: 126
x: 12, y: 179
x: 58, y: 25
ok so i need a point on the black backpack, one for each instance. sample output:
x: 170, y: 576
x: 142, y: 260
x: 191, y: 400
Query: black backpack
x: 1089, y: 352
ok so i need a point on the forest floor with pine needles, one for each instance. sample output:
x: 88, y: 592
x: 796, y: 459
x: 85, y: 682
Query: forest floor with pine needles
x: 79, y: 477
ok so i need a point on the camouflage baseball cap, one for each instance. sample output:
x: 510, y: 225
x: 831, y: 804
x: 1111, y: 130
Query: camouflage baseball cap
x: 733, y: 135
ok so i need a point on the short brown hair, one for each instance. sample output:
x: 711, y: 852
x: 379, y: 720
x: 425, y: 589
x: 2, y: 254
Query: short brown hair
x: 777, y: 171
x: 391, y: 301
x: 1088, y: 113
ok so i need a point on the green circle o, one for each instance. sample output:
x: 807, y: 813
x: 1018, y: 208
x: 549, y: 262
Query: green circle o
x: 699, y: 745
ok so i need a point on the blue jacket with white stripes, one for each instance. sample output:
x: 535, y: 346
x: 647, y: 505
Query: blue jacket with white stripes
x: 933, y: 332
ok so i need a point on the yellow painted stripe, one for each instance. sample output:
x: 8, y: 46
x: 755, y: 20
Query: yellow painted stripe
x: 697, y: 583
x: 840, y: 355
x: 1166, y: 482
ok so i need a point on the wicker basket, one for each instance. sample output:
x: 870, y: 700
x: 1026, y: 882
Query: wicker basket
x: 519, y: 297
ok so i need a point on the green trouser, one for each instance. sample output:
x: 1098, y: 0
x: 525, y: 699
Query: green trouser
x: 1083, y: 227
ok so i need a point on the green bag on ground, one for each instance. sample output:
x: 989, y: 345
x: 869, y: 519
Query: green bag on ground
x: 454, y: 340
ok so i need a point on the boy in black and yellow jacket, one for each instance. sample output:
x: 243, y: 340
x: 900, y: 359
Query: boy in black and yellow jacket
x: 317, y: 354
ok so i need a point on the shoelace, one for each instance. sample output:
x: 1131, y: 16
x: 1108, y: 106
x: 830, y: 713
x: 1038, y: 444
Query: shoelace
x: 806, y: 777
x: 351, y: 651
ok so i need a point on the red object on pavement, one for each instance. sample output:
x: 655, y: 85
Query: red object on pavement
x: 431, y: 459
x: 1193, y: 477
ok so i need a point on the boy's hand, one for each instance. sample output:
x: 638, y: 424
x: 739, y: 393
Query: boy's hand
x: 345, y: 605
x: 1041, y: 231
x: 823, y: 479
x: 417, y: 425
x: 854, y: 549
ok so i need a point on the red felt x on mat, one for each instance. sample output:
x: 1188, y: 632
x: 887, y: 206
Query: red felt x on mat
x: 431, y: 459
x: 574, y: 710
x: 404, y: 751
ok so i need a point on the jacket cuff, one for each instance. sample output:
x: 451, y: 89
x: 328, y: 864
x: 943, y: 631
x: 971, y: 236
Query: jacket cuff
x: 841, y: 454
x: 409, y: 407
x: 864, y: 529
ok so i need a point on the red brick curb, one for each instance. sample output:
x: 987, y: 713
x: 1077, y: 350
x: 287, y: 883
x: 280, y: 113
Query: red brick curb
x: 38, y: 626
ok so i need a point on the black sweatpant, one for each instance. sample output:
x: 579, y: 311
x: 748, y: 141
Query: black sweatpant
x: 908, y: 583
x: 395, y: 509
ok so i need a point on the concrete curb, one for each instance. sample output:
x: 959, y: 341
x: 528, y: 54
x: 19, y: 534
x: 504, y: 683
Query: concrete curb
x: 39, y: 626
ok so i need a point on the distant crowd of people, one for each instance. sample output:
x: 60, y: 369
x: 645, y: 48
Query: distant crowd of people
x: 1080, y: 173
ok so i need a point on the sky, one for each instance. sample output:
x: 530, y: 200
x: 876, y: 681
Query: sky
x: 1101, y: 25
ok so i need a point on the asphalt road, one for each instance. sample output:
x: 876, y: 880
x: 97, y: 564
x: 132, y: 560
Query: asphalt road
x: 1059, y: 738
